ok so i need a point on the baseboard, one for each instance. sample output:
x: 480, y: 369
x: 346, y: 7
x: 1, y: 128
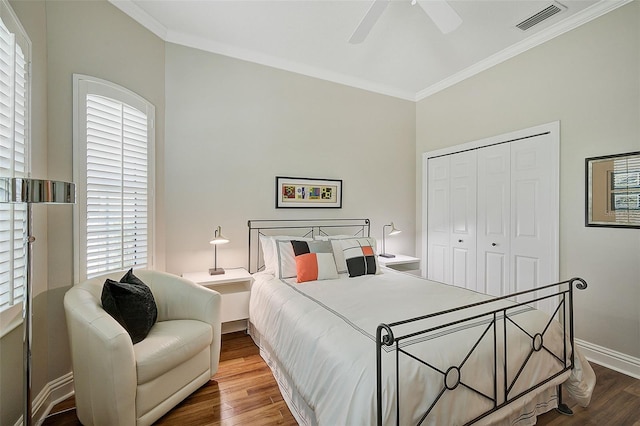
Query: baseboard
x: 233, y: 326
x: 54, y: 392
x: 609, y: 358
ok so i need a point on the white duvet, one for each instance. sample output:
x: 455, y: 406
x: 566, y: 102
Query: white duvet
x: 319, y: 339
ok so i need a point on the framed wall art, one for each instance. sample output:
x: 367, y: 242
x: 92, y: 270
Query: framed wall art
x: 294, y: 192
x: 613, y: 190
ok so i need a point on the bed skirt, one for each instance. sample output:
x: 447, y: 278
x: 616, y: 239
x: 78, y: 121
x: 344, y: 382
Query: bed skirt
x: 305, y: 416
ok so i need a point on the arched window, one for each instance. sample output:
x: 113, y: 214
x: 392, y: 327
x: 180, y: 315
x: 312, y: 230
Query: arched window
x: 114, y: 175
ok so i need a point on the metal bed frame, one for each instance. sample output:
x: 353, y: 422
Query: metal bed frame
x: 494, y: 318
x: 300, y: 228
x: 452, y: 377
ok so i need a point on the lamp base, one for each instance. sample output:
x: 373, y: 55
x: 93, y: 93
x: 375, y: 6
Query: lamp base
x: 216, y: 271
x: 387, y: 255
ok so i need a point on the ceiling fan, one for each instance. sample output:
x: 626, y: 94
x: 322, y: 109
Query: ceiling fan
x: 440, y: 12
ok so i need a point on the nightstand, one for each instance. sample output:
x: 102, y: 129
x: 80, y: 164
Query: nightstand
x: 402, y: 263
x: 234, y: 287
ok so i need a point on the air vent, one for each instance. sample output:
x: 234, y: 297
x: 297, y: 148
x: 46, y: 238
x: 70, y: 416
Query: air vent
x: 546, y: 13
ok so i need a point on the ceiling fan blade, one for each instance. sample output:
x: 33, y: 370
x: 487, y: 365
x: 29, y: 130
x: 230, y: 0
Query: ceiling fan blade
x: 442, y: 14
x: 368, y: 21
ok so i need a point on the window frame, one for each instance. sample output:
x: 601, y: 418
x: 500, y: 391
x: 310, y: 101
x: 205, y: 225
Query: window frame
x: 12, y: 316
x: 83, y: 85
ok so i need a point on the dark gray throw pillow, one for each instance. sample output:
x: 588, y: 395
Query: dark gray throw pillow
x: 131, y: 303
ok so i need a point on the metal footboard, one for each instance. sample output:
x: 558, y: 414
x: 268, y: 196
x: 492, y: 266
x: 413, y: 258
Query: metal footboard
x: 494, y: 321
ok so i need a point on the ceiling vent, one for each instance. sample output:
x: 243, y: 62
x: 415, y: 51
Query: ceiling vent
x: 544, y: 14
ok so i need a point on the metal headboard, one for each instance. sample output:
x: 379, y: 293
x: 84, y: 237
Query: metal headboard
x: 299, y: 228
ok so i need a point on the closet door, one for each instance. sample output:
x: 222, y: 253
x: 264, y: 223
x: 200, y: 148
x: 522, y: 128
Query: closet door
x: 452, y: 219
x: 438, y: 263
x: 533, y: 215
x: 494, y: 206
x: 492, y: 214
x: 462, y: 238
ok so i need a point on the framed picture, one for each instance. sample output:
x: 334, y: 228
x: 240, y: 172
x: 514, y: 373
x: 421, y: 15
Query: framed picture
x: 613, y: 190
x: 292, y: 192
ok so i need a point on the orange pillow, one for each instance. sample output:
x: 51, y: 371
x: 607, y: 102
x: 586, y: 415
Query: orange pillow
x: 315, y: 266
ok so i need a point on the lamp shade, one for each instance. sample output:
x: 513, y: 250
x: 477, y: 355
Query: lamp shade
x: 27, y: 190
x: 394, y: 230
x: 218, y: 238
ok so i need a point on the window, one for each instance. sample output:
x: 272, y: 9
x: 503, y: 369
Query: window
x: 15, y: 51
x: 114, y: 174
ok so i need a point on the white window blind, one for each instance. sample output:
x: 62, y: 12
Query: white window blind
x: 115, y: 143
x: 14, y: 84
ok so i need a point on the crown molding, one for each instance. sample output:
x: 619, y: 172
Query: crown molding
x: 286, y: 65
x: 143, y: 18
x: 574, y: 21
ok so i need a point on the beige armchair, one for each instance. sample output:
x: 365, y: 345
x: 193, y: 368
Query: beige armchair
x: 119, y: 383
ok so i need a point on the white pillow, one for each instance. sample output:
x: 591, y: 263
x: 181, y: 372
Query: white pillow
x: 276, y: 262
x: 338, y: 255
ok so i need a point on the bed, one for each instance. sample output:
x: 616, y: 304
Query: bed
x: 386, y: 347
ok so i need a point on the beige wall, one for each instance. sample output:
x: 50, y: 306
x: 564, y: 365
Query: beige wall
x: 233, y: 126
x: 589, y: 79
x: 97, y: 39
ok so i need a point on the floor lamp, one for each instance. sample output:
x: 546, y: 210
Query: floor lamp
x: 32, y: 191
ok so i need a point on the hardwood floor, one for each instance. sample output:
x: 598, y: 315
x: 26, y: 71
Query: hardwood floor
x: 243, y: 392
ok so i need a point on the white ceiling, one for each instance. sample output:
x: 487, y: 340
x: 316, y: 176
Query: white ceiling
x: 404, y: 55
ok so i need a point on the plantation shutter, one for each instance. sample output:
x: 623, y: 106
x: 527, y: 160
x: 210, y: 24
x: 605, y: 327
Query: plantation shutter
x: 13, y: 162
x: 117, y: 186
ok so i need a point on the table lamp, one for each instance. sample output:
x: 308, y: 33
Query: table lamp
x: 393, y: 231
x: 218, y: 238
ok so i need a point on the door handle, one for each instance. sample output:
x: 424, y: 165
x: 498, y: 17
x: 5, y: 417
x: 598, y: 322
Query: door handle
x: 494, y: 244
x: 459, y: 241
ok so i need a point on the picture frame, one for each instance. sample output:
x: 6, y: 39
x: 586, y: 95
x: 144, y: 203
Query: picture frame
x: 612, y: 190
x: 297, y: 192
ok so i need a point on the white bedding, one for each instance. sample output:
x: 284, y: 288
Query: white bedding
x: 319, y: 339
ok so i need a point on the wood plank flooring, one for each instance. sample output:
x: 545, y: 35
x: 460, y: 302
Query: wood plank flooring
x: 244, y: 392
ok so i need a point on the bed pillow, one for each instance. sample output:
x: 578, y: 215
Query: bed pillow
x: 314, y: 261
x: 285, y: 259
x: 131, y: 303
x: 360, y: 256
x: 306, y: 246
x: 341, y: 264
x: 270, y: 253
x: 315, y: 266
